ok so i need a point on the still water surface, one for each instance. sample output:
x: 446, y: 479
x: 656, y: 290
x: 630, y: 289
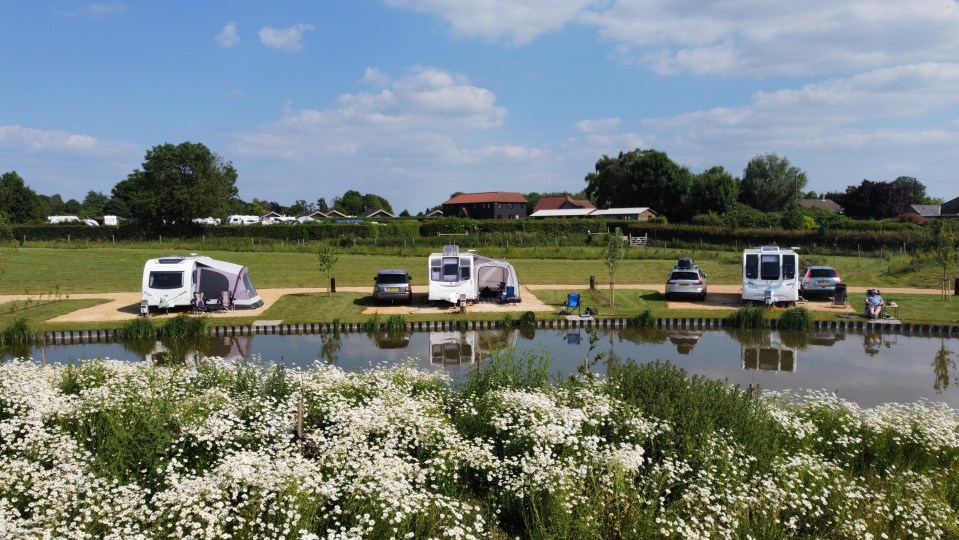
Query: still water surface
x: 866, y: 368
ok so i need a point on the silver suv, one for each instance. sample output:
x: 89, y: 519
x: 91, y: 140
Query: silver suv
x: 686, y: 279
x: 819, y: 280
x: 392, y: 285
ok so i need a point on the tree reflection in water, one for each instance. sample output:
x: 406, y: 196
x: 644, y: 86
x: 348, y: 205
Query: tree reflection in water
x: 941, y: 365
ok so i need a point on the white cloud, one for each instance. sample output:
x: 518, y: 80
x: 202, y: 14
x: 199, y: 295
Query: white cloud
x: 519, y: 21
x: 731, y: 38
x: 600, y: 125
x: 284, y: 39
x: 96, y: 9
x: 66, y: 163
x: 423, y: 111
x: 228, y: 37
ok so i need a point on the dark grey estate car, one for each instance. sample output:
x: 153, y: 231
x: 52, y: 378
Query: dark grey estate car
x: 392, y: 285
x: 820, y: 280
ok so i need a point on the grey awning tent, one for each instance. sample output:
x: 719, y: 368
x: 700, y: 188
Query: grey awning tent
x: 490, y: 273
x: 213, y: 277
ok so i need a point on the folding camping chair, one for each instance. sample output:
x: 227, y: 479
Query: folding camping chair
x: 199, y: 303
x: 226, y: 300
x: 572, y: 301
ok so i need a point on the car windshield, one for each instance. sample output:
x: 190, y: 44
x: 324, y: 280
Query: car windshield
x: 693, y: 276
x: 392, y: 279
x: 822, y: 273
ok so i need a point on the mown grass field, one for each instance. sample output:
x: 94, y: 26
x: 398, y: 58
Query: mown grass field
x: 52, y: 272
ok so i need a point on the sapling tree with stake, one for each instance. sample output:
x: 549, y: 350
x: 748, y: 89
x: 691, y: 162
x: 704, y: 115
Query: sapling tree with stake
x: 614, y: 254
x: 327, y: 260
x: 944, y: 250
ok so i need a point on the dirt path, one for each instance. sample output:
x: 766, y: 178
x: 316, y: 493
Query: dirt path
x: 126, y: 305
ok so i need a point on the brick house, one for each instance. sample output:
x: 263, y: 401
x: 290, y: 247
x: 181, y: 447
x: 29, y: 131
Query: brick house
x: 488, y: 205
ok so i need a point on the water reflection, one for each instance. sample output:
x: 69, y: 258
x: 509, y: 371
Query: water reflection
x: 864, y: 366
x: 941, y: 364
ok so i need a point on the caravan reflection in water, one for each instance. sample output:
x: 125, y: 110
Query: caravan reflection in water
x: 468, y: 346
x: 773, y: 356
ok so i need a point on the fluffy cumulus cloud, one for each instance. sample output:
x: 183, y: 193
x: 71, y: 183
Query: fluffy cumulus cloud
x: 428, y: 105
x: 228, y: 37
x: 731, y: 38
x: 284, y: 39
x: 52, y: 159
x: 406, y: 135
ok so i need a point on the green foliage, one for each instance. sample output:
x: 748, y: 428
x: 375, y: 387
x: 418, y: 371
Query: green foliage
x: 373, y: 323
x: 771, y: 183
x: 140, y: 328
x: 395, y: 323
x: 613, y: 255
x: 183, y: 327
x: 17, y: 334
x: 184, y: 334
x: 326, y: 259
x: 176, y: 184
x: 17, y: 201
x: 796, y: 318
x: 508, y: 368
x: 793, y: 218
x: 527, y: 320
x: 644, y: 319
x: 693, y: 406
x: 747, y: 316
x: 642, y: 178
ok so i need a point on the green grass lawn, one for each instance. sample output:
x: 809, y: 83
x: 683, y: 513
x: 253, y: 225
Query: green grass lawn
x: 57, y: 273
x: 37, y: 312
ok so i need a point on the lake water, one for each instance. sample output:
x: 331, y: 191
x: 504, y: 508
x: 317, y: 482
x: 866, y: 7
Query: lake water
x: 867, y: 368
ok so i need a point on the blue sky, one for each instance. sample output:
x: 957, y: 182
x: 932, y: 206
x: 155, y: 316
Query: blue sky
x: 416, y: 99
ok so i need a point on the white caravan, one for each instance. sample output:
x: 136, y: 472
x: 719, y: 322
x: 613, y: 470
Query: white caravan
x: 63, y: 219
x: 455, y: 276
x: 199, y: 282
x: 237, y: 219
x: 770, y: 275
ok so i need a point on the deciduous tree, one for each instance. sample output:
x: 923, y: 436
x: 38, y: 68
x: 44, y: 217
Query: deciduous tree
x: 176, y: 184
x: 613, y: 255
x: 770, y: 183
x: 20, y: 203
x: 875, y: 200
x: 641, y: 178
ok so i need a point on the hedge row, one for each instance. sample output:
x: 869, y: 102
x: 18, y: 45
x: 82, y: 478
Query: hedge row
x: 527, y: 232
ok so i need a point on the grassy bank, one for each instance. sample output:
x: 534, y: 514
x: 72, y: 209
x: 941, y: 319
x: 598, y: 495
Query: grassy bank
x: 240, y: 451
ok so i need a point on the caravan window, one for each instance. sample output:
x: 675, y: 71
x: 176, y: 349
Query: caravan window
x: 752, y: 266
x: 166, y: 280
x: 789, y: 267
x: 769, y: 267
x: 464, y: 268
x: 451, y: 268
x: 436, y: 269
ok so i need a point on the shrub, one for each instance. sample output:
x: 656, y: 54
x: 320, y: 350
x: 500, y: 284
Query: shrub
x: 796, y: 318
x: 395, y: 323
x: 527, y: 320
x: 17, y: 334
x: 747, y: 316
x: 373, y: 323
x: 183, y: 327
x: 644, y: 319
x: 141, y: 328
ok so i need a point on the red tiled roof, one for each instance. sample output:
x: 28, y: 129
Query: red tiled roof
x: 555, y: 202
x: 489, y: 196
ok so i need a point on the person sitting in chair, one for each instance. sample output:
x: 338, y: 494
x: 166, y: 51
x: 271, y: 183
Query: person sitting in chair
x: 874, y: 304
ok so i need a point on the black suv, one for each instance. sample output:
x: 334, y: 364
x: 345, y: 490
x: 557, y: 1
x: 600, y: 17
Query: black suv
x: 392, y: 285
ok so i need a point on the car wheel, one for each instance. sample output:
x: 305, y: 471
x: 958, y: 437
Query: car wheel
x: 666, y: 296
x: 702, y: 297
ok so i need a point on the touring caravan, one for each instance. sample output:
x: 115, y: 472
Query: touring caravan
x: 201, y: 282
x: 770, y: 275
x: 237, y: 219
x: 455, y: 276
